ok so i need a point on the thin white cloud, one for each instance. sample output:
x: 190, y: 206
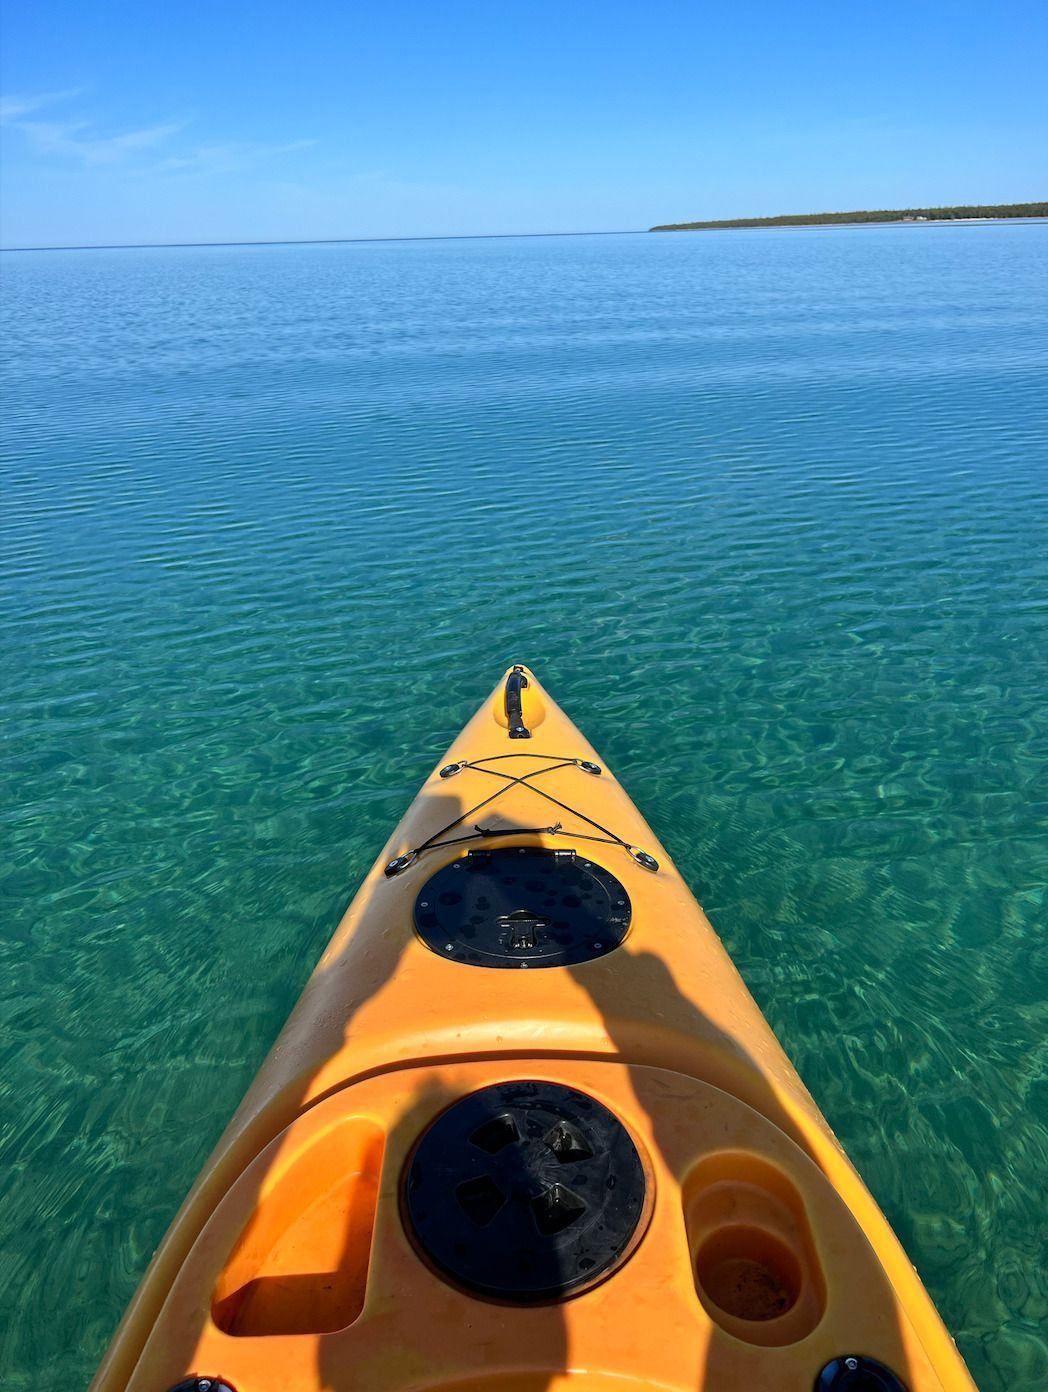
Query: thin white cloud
x: 72, y: 140
x: 140, y: 151
x: 13, y: 107
x: 226, y: 158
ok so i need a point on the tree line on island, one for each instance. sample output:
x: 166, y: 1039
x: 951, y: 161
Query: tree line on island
x: 993, y: 210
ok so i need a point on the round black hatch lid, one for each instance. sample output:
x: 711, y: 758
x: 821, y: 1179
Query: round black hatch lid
x: 525, y: 1191
x: 522, y: 906
x: 854, y: 1373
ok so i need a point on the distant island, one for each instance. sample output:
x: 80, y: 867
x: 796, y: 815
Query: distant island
x: 993, y: 210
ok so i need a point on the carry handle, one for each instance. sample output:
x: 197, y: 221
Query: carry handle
x: 515, y: 684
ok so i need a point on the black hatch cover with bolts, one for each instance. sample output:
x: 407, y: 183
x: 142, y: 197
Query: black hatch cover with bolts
x: 854, y: 1373
x: 522, y: 906
x: 525, y: 1191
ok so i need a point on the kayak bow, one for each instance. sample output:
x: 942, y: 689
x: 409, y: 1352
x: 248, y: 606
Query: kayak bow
x: 527, y: 1128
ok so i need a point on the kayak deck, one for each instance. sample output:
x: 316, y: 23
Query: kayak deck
x: 324, y: 1246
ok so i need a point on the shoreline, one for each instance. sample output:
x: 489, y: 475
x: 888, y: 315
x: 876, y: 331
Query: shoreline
x: 850, y: 226
x: 860, y: 217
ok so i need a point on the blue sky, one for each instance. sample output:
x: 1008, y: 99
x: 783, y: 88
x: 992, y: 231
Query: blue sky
x: 128, y: 122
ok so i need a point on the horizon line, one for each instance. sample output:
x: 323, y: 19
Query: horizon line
x: 322, y: 241
x: 730, y: 226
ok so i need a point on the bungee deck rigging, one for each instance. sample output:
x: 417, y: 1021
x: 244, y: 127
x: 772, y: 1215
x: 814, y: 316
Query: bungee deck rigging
x: 401, y: 862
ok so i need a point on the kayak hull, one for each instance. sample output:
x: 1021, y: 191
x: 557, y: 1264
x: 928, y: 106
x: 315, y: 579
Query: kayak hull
x: 291, y: 1264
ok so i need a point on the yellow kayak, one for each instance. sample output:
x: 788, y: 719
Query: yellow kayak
x: 526, y: 1128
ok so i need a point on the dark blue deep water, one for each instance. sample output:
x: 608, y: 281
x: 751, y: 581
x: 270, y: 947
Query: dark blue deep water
x: 765, y: 510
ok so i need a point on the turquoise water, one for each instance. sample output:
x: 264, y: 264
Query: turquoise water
x: 766, y: 511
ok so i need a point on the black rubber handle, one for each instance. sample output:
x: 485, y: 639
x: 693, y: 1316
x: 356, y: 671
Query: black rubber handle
x: 515, y: 684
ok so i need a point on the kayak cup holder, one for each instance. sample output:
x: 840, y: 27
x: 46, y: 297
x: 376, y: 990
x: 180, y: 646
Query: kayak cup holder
x: 748, y: 1273
x: 755, y: 1265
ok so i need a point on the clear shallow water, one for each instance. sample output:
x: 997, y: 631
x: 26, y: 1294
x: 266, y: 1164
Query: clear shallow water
x: 765, y: 511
